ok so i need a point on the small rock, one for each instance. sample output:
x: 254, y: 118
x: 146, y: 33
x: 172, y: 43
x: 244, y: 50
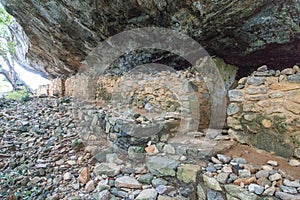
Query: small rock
x: 118, y: 193
x: 244, y: 181
x: 162, y: 166
x: 151, y: 150
x: 256, y: 188
x: 286, y: 196
x: 104, y: 195
x: 243, y: 173
x: 159, y: 181
x: 71, y: 162
x: 227, y: 169
x: 211, y: 183
x: 76, y: 186
x: 287, y: 71
x: 169, y: 149
x: 90, y: 149
x: 267, y: 123
x: 294, y: 163
x: 267, y: 167
x: 136, y: 153
x: 238, y: 161
x: 232, y: 109
x: 275, y: 177
x: 269, y: 191
x: 297, y: 152
x: 186, y: 191
x: 273, y: 163
x: 252, y: 168
x: 214, y: 195
x: 289, y: 183
x: 101, y: 188
x: 232, y: 177
x: 262, y: 174
x: 262, y: 68
x: 109, y: 169
x: 222, y: 177
x: 183, y: 158
x: 164, y: 197
x: 188, y: 173
x: 128, y: 182
x: 42, y: 172
x: 67, y: 176
x: 264, y: 182
x: 60, y: 162
x: 145, y: 178
x: 90, y: 186
x: 163, y: 189
x: 201, y: 193
x: 215, y: 160
x: 256, y: 81
x: 223, y: 158
x: 288, y: 189
x: 84, y: 175
x: 210, y: 168
x: 100, y: 154
x: 148, y: 194
x: 239, y: 192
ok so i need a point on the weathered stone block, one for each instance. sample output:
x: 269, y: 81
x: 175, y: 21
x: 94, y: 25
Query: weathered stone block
x: 232, y: 109
x: 188, y: 173
x: 257, y: 90
x: 256, y: 97
x: 235, y: 95
x: 256, y: 81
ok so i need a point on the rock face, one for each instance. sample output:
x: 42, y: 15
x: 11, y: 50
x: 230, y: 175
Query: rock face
x: 245, y: 33
x: 264, y: 110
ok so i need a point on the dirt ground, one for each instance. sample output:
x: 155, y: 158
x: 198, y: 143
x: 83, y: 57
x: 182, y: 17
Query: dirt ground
x: 261, y: 157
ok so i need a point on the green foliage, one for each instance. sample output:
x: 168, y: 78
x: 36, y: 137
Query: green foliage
x: 20, y: 95
x: 5, y: 18
x: 6, y: 46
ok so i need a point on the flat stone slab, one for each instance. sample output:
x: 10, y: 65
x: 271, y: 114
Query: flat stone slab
x: 109, y: 169
x: 162, y: 165
x: 128, y: 182
x: 148, y: 194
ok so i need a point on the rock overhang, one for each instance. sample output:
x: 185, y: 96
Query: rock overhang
x: 62, y: 33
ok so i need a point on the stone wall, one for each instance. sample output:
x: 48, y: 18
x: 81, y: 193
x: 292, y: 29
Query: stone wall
x: 264, y: 110
x: 57, y: 87
x: 42, y: 90
x: 166, y: 91
x: 176, y: 91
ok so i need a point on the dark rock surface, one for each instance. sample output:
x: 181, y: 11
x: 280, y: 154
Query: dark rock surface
x: 245, y: 33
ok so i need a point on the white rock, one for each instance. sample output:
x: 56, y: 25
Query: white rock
x: 273, y: 163
x: 257, y: 189
x: 90, y: 186
x: 128, y: 182
x: 67, y: 176
x: 294, y: 163
x: 148, y: 194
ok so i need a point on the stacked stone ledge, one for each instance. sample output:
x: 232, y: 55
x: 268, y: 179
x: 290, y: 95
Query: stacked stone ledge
x: 175, y: 104
x: 264, y: 110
